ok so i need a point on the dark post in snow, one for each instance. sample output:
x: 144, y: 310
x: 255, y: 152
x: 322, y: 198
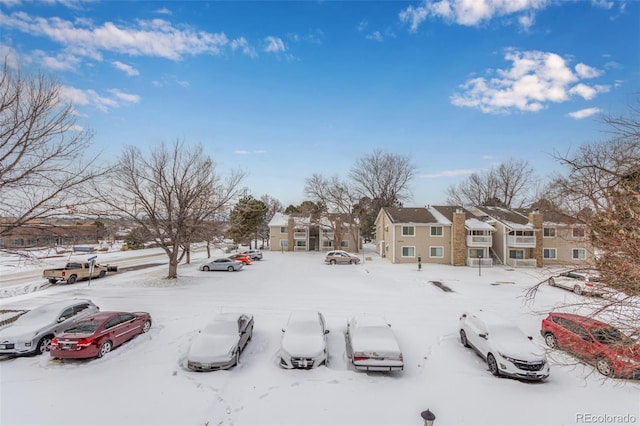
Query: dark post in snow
x: 419, y: 263
x: 480, y: 265
x: 428, y: 417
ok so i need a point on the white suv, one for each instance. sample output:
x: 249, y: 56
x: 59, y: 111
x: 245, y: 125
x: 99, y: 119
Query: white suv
x: 585, y: 281
x: 253, y: 254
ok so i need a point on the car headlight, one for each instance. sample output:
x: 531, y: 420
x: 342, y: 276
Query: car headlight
x: 285, y: 355
x: 508, y: 358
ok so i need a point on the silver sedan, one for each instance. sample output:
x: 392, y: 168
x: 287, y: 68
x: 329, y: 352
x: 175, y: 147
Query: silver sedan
x: 222, y: 264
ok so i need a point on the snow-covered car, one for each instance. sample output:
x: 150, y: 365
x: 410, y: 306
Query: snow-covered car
x: 222, y: 264
x: 586, y: 281
x: 253, y: 254
x: 341, y: 256
x: 372, y: 345
x: 219, y: 344
x: 32, y: 332
x: 304, y: 341
x: 506, y: 349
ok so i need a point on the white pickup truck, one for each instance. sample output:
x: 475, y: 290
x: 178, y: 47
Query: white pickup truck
x: 74, y: 271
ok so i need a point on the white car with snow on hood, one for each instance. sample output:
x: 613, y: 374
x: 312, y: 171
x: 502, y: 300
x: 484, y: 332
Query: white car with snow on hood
x: 219, y: 344
x: 304, y: 341
x: 372, y: 346
x: 506, y: 349
x: 32, y: 332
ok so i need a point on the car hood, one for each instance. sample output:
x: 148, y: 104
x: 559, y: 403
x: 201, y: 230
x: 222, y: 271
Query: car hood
x: 212, y: 347
x: 522, y: 349
x: 379, y: 341
x: 18, y: 333
x: 303, y: 345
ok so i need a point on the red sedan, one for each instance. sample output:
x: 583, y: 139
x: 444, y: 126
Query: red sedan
x: 244, y: 258
x: 96, y: 334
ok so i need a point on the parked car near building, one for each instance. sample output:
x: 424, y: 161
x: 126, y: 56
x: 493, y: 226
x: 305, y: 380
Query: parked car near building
x: 505, y: 348
x: 244, y: 258
x: 341, y: 256
x: 222, y: 264
x: 219, y: 344
x: 32, y: 332
x: 612, y: 352
x: 253, y: 254
x: 304, y: 341
x: 95, y: 335
x: 585, y: 281
x: 372, y: 346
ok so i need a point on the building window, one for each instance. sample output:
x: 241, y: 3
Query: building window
x: 549, y: 232
x: 436, y: 251
x: 579, y: 254
x: 17, y: 242
x: 578, y: 232
x: 436, y: 231
x: 475, y: 253
x: 344, y: 244
x: 327, y: 243
x: 408, y: 252
x: 284, y: 243
x: 284, y: 229
x: 408, y: 231
x: 549, y: 253
x: 516, y: 254
x: 301, y: 243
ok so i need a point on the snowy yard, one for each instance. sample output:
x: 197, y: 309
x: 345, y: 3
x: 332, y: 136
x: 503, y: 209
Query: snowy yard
x: 145, y: 382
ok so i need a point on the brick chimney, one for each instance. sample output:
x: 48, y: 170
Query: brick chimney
x: 291, y: 227
x: 459, y: 237
x: 535, y: 218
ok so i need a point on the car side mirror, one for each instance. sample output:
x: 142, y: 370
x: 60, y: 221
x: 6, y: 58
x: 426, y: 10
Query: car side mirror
x: 529, y: 337
x: 61, y: 319
x: 483, y: 335
x: 326, y: 332
x: 283, y: 330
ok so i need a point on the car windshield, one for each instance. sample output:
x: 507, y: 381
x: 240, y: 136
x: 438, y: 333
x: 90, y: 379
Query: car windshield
x: 226, y: 328
x: 84, y: 327
x: 610, y: 336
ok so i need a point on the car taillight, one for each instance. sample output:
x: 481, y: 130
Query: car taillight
x: 360, y: 358
x: 589, y: 284
x: 84, y: 342
x: 63, y: 273
x: 54, y: 341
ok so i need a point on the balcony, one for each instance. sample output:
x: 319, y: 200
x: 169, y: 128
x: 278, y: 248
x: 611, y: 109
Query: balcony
x: 485, y: 262
x: 479, y: 241
x: 523, y: 241
x: 300, y: 235
x: 522, y: 263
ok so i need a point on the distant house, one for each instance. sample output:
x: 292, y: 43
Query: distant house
x: 47, y: 233
x: 302, y: 233
x: 436, y: 234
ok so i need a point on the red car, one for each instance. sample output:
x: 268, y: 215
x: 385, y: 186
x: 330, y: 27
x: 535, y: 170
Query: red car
x: 244, y: 258
x: 95, y: 335
x: 613, y: 353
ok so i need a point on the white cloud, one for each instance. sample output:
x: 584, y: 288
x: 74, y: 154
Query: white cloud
x: 362, y: 25
x: 10, y: 56
x: 274, y: 45
x: 585, y: 71
x: 376, y: 36
x: 156, y: 38
x: 241, y: 152
x: 92, y: 98
x: 126, y: 97
x: 164, y: 11
x: 602, y: 3
x: 471, y: 12
x: 534, y: 79
x: 128, y: 69
x: 448, y: 173
x: 243, y: 44
x: 584, y: 113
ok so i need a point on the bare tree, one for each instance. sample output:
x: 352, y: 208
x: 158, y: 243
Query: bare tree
x: 383, y: 177
x: 172, y: 194
x: 43, y: 167
x: 338, y: 200
x: 274, y: 206
x: 509, y: 184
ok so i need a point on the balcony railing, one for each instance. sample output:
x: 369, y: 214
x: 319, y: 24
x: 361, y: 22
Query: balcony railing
x: 522, y: 263
x: 485, y: 262
x: 300, y: 248
x: 479, y: 240
x: 300, y: 235
x: 521, y: 241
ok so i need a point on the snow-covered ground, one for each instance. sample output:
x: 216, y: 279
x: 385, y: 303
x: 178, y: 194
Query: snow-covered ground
x: 144, y: 382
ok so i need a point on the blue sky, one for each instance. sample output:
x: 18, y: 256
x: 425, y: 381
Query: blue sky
x: 284, y: 90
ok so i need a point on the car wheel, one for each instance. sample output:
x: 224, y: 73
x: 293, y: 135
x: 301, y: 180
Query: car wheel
x: 44, y: 345
x: 72, y: 279
x: 146, y: 326
x: 52, y: 281
x: 205, y: 268
x: 230, y: 269
x: 551, y: 340
x: 604, y: 366
x: 552, y: 282
x: 332, y: 261
x: 105, y: 348
x: 577, y: 289
x: 493, y: 365
x: 463, y: 339
x: 102, y: 274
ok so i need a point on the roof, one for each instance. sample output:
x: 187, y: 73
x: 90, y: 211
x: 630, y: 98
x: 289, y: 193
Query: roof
x: 585, y: 321
x: 410, y: 215
x: 551, y: 216
x: 474, y: 224
x: 510, y: 218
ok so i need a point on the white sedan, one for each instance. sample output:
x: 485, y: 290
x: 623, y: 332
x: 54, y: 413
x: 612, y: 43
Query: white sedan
x: 506, y: 349
x: 219, y: 344
x: 372, y: 346
x: 304, y: 341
